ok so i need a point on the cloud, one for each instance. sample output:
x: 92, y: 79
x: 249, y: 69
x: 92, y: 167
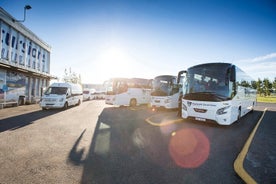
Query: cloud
x: 266, y: 58
x: 259, y: 67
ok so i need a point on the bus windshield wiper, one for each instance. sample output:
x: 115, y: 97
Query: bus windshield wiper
x: 205, y: 96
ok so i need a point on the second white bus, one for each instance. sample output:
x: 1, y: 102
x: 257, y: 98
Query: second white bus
x: 165, y: 92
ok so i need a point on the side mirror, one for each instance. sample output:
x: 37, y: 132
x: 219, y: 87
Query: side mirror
x: 233, y: 74
x: 180, y: 74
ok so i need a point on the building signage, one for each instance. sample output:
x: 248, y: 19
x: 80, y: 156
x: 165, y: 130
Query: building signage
x: 19, y: 49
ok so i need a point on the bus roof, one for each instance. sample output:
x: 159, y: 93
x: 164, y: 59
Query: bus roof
x: 215, y: 63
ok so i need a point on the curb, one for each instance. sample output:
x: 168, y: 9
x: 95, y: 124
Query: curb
x: 238, y: 164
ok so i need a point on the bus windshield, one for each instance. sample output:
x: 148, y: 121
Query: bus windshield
x: 116, y: 87
x: 56, y: 90
x: 208, y: 82
x: 164, y: 86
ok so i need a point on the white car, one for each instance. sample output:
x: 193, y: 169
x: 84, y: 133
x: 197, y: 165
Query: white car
x: 88, y: 94
x: 100, y: 95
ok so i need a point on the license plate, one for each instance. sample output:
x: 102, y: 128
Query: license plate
x: 200, y: 119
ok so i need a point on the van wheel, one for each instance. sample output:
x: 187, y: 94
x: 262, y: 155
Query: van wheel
x: 79, y: 102
x: 239, y: 113
x: 133, y: 102
x: 65, y: 106
x: 21, y: 100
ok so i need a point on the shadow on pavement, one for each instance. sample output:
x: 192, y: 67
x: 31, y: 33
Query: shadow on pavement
x: 125, y: 149
x: 75, y: 155
x: 117, y: 152
x: 16, y: 122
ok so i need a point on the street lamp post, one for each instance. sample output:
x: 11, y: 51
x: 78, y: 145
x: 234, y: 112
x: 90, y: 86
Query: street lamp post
x: 27, y: 7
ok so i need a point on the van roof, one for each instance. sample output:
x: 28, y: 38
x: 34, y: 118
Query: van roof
x: 63, y: 84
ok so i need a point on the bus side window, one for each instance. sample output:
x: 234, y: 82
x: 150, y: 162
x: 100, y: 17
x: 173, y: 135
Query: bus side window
x: 123, y: 87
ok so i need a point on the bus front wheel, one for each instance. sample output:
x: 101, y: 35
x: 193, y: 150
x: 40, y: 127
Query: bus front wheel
x: 133, y: 102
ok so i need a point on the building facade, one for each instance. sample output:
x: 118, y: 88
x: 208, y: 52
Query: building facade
x: 24, y: 62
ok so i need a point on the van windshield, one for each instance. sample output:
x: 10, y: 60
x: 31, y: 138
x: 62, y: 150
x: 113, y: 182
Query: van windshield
x: 56, y: 90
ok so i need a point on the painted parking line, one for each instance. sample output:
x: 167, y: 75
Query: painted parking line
x: 136, y: 108
x: 238, y: 164
x: 140, y: 107
x: 148, y: 120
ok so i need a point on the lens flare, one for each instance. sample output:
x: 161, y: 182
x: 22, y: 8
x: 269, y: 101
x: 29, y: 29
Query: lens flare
x: 189, y: 148
x: 166, y: 130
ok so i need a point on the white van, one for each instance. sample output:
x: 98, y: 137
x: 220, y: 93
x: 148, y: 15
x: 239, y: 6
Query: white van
x: 88, y: 94
x: 61, y: 95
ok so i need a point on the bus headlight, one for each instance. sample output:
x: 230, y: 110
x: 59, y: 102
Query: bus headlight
x: 222, y: 110
x: 61, y: 100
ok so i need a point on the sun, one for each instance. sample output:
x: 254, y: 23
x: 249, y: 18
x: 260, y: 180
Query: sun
x: 116, y: 62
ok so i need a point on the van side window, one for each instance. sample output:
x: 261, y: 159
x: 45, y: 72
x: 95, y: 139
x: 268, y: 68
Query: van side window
x: 68, y: 92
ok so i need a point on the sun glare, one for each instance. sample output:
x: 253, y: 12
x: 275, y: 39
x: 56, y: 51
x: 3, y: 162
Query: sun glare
x: 115, y: 62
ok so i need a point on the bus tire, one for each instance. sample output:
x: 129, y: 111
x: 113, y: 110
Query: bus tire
x: 79, y: 102
x: 65, y: 106
x: 253, y: 105
x: 133, y: 102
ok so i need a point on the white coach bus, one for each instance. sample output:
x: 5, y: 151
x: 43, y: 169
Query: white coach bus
x: 128, y: 91
x: 218, y: 92
x: 165, y: 92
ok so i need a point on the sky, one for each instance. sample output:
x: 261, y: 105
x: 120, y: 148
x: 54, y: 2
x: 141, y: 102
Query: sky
x: 100, y: 39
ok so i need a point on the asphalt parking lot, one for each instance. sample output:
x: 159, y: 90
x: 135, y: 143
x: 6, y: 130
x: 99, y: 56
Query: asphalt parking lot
x: 256, y: 162
x: 95, y: 143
